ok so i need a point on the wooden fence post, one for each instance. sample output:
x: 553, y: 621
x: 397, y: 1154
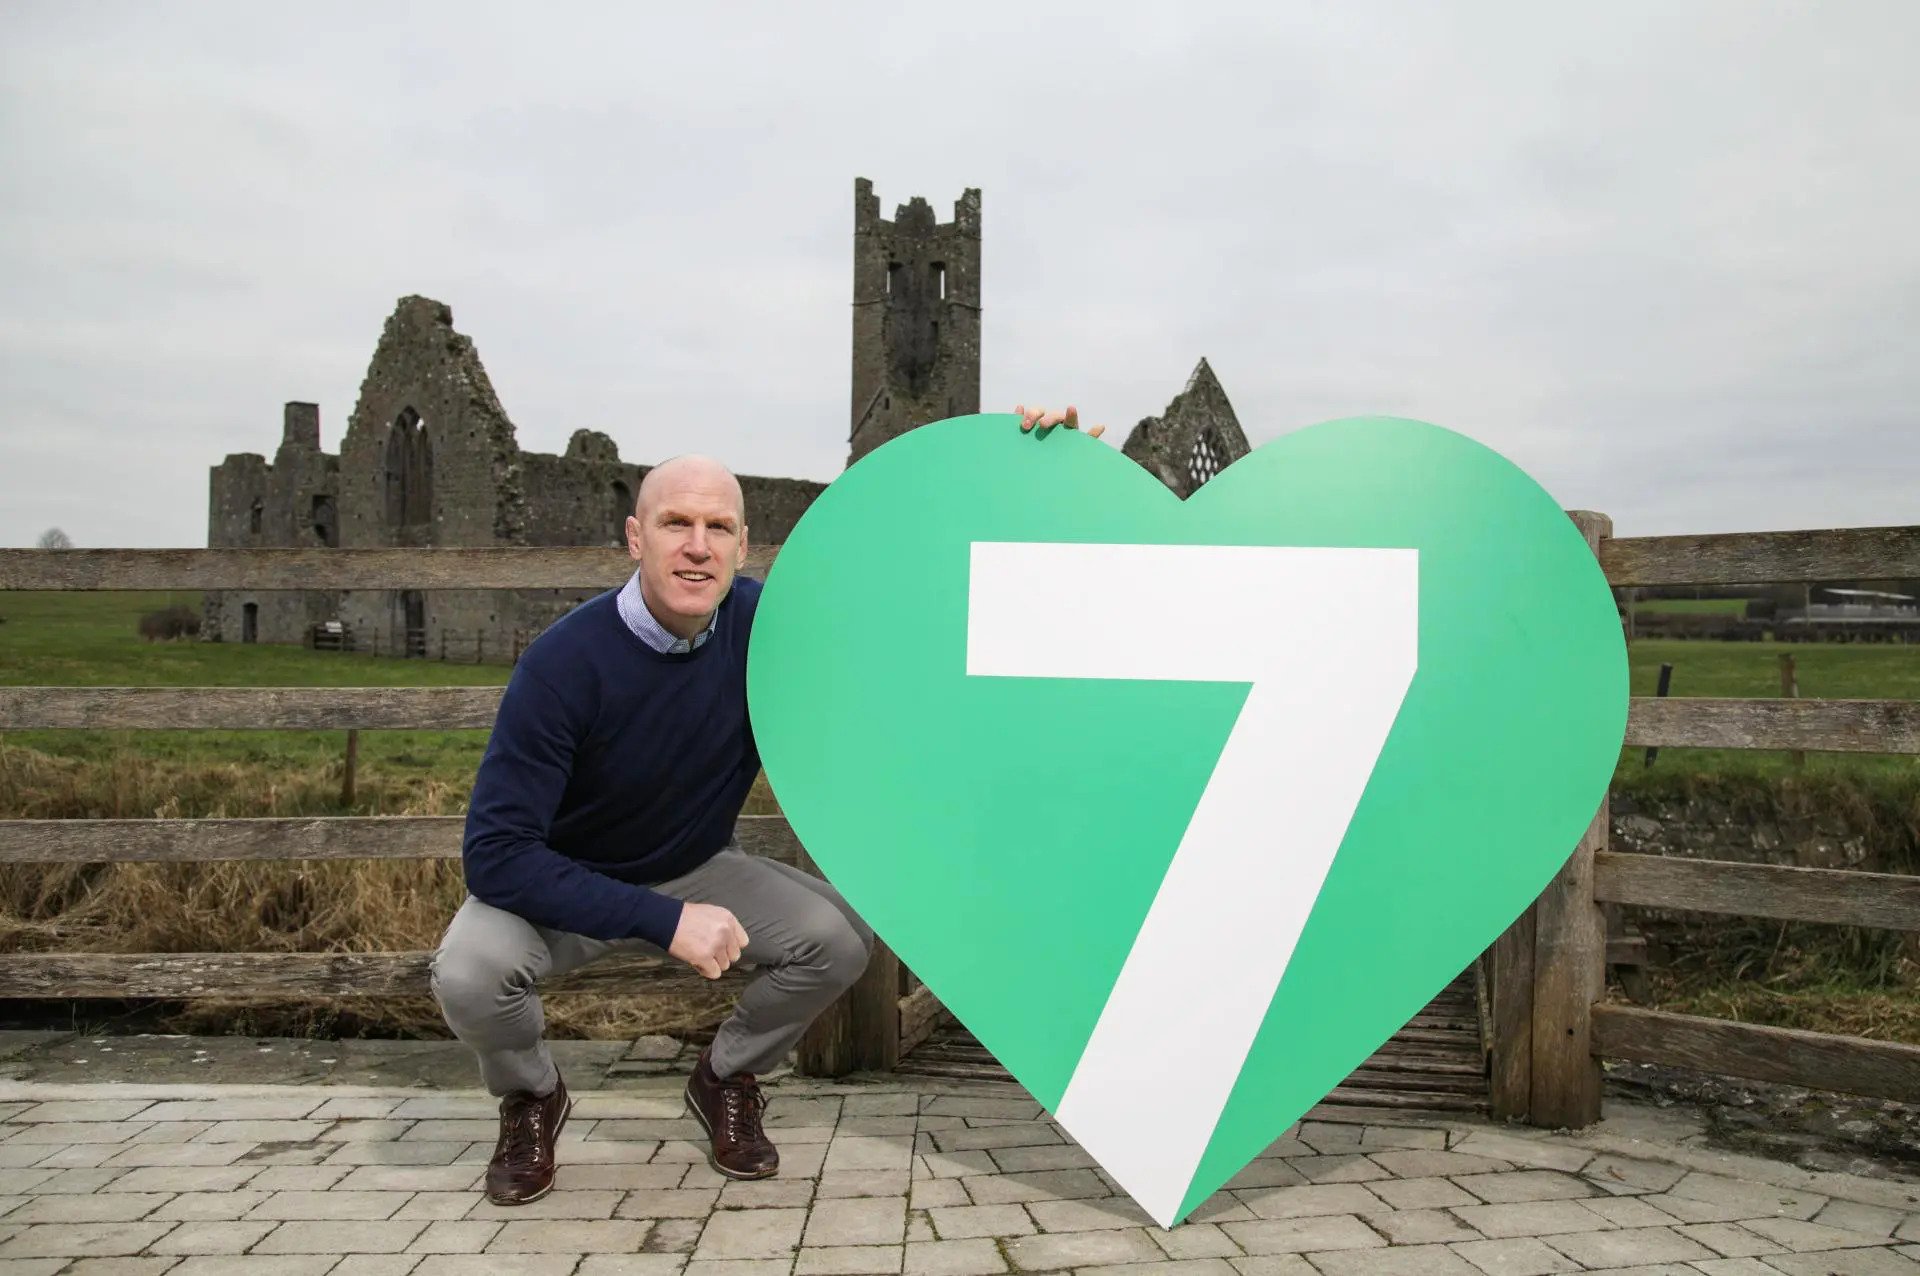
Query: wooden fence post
x: 859, y: 1032
x: 1790, y: 688
x: 1510, y: 1004
x: 348, y: 781
x: 1569, y: 963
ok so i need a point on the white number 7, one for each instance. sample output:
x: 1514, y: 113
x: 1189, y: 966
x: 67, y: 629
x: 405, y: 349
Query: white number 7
x: 1328, y: 638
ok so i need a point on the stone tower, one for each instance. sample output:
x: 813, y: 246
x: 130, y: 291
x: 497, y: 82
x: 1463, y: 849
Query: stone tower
x: 916, y: 317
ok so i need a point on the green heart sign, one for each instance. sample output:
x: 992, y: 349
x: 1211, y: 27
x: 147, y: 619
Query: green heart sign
x: 1183, y: 808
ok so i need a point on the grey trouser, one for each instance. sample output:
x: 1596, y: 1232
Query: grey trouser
x: 809, y: 945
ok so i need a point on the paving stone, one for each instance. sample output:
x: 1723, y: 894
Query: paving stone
x: 1760, y: 1200
x: 879, y: 1103
x: 1044, y: 1185
x: 496, y: 1265
x: 961, y: 1222
x: 919, y: 1227
x: 398, y: 1152
x: 773, y: 1233
x: 1409, y: 1260
x: 1800, y: 1236
x: 762, y: 1193
x: 978, y: 1257
x: 665, y: 1203
x: 209, y: 1206
x: 298, y: 1178
x: 1846, y: 1262
x: 1524, y: 1185
x: 66, y: 1133
x: 1909, y: 1230
x: 145, y: 1155
x: 1531, y: 1218
x: 869, y: 1152
x: 1421, y: 1194
x: 211, y: 1238
x: 80, y: 1110
x: 372, y: 1130
x: 739, y: 1267
x: 841, y: 1183
x: 569, y: 1236
x: 1734, y: 1267
x: 953, y: 1165
x: 1273, y: 1265
x: 317, y: 1206
x: 19, y: 1182
x: 239, y: 1265
x: 1518, y: 1256
x: 17, y: 1158
x: 1087, y: 1216
x: 1852, y: 1216
x: 1729, y: 1239
x: 630, y: 1265
x: 1688, y: 1210
x: 1023, y: 1134
x: 1623, y: 1247
x: 100, y: 1207
x: 394, y: 1178
x: 435, y: 1207
x: 968, y: 1106
x: 1628, y: 1211
x: 893, y: 1125
x: 263, y: 1131
x: 559, y: 1203
x: 1186, y: 1267
x: 1398, y: 1136
x: 119, y: 1267
x: 340, y: 1237
x: 1195, y: 1240
x: 1624, y: 1172
x: 1330, y: 1136
x: 1421, y: 1227
x: 355, y: 1109
x: 1538, y: 1154
x: 1303, y: 1235
x: 674, y: 1236
x: 1268, y: 1171
x: 786, y: 1112
x: 1060, y: 1251
x: 1417, y: 1164
x: 1342, y: 1168
x: 32, y: 1266
x: 857, y: 1221
x: 848, y: 1260
x: 623, y: 1152
x: 927, y: 1193
x: 64, y: 1181
x: 82, y: 1240
x: 289, y: 1108
x: 181, y: 1179
x: 1319, y: 1198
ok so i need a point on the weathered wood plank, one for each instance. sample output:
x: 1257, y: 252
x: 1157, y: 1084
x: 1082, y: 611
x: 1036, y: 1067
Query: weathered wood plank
x: 248, y: 708
x: 1569, y: 964
x: 1839, y: 896
x: 1849, y: 1065
x: 488, y: 567
x: 345, y: 837
x: 1761, y: 558
x: 1840, y: 726
x: 1861, y: 726
x: 190, y: 976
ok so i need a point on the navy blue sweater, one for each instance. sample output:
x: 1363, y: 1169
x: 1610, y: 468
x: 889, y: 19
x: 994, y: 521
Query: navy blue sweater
x: 612, y: 766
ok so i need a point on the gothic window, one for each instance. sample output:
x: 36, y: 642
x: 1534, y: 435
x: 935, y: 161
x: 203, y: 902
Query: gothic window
x: 893, y: 274
x: 409, y: 476
x: 253, y: 517
x: 939, y: 270
x: 1204, y: 461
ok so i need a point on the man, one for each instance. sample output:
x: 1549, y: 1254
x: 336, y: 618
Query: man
x: 602, y: 821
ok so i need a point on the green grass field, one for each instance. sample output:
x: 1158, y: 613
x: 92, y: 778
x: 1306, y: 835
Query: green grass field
x: 1697, y: 606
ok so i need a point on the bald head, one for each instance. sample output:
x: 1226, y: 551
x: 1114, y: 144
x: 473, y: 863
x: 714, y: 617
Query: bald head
x: 691, y: 474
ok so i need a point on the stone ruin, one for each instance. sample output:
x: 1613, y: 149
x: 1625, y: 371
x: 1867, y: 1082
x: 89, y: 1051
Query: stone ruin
x: 430, y: 457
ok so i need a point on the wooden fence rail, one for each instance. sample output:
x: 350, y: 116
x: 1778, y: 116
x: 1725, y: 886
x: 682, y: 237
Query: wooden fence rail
x: 1548, y: 1026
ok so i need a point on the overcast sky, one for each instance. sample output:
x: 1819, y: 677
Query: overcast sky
x: 1664, y: 257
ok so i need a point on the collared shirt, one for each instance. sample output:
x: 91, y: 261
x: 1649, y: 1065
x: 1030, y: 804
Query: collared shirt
x: 633, y: 610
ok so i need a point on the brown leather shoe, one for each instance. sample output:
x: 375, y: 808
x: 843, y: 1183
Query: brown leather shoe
x: 523, y: 1163
x: 730, y: 1112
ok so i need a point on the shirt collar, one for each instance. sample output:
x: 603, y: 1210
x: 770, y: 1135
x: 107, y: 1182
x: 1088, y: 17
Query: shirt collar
x: 634, y: 611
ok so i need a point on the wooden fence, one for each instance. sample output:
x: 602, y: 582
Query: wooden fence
x: 1548, y: 1028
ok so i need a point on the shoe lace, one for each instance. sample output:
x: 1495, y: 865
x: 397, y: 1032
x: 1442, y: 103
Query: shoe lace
x: 741, y: 1103
x: 520, y: 1137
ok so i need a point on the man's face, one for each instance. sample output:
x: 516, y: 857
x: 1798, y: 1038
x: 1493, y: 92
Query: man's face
x: 689, y: 539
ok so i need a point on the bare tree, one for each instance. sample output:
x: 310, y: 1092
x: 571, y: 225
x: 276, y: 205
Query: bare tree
x: 54, y: 538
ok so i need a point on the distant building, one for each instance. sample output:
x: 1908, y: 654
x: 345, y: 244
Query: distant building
x: 430, y: 457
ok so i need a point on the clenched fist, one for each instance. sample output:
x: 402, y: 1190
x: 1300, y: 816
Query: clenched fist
x: 708, y: 938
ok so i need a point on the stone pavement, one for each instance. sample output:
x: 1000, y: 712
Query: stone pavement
x: 881, y: 1175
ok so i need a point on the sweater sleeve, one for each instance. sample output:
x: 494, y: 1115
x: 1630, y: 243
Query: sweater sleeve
x: 507, y: 859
